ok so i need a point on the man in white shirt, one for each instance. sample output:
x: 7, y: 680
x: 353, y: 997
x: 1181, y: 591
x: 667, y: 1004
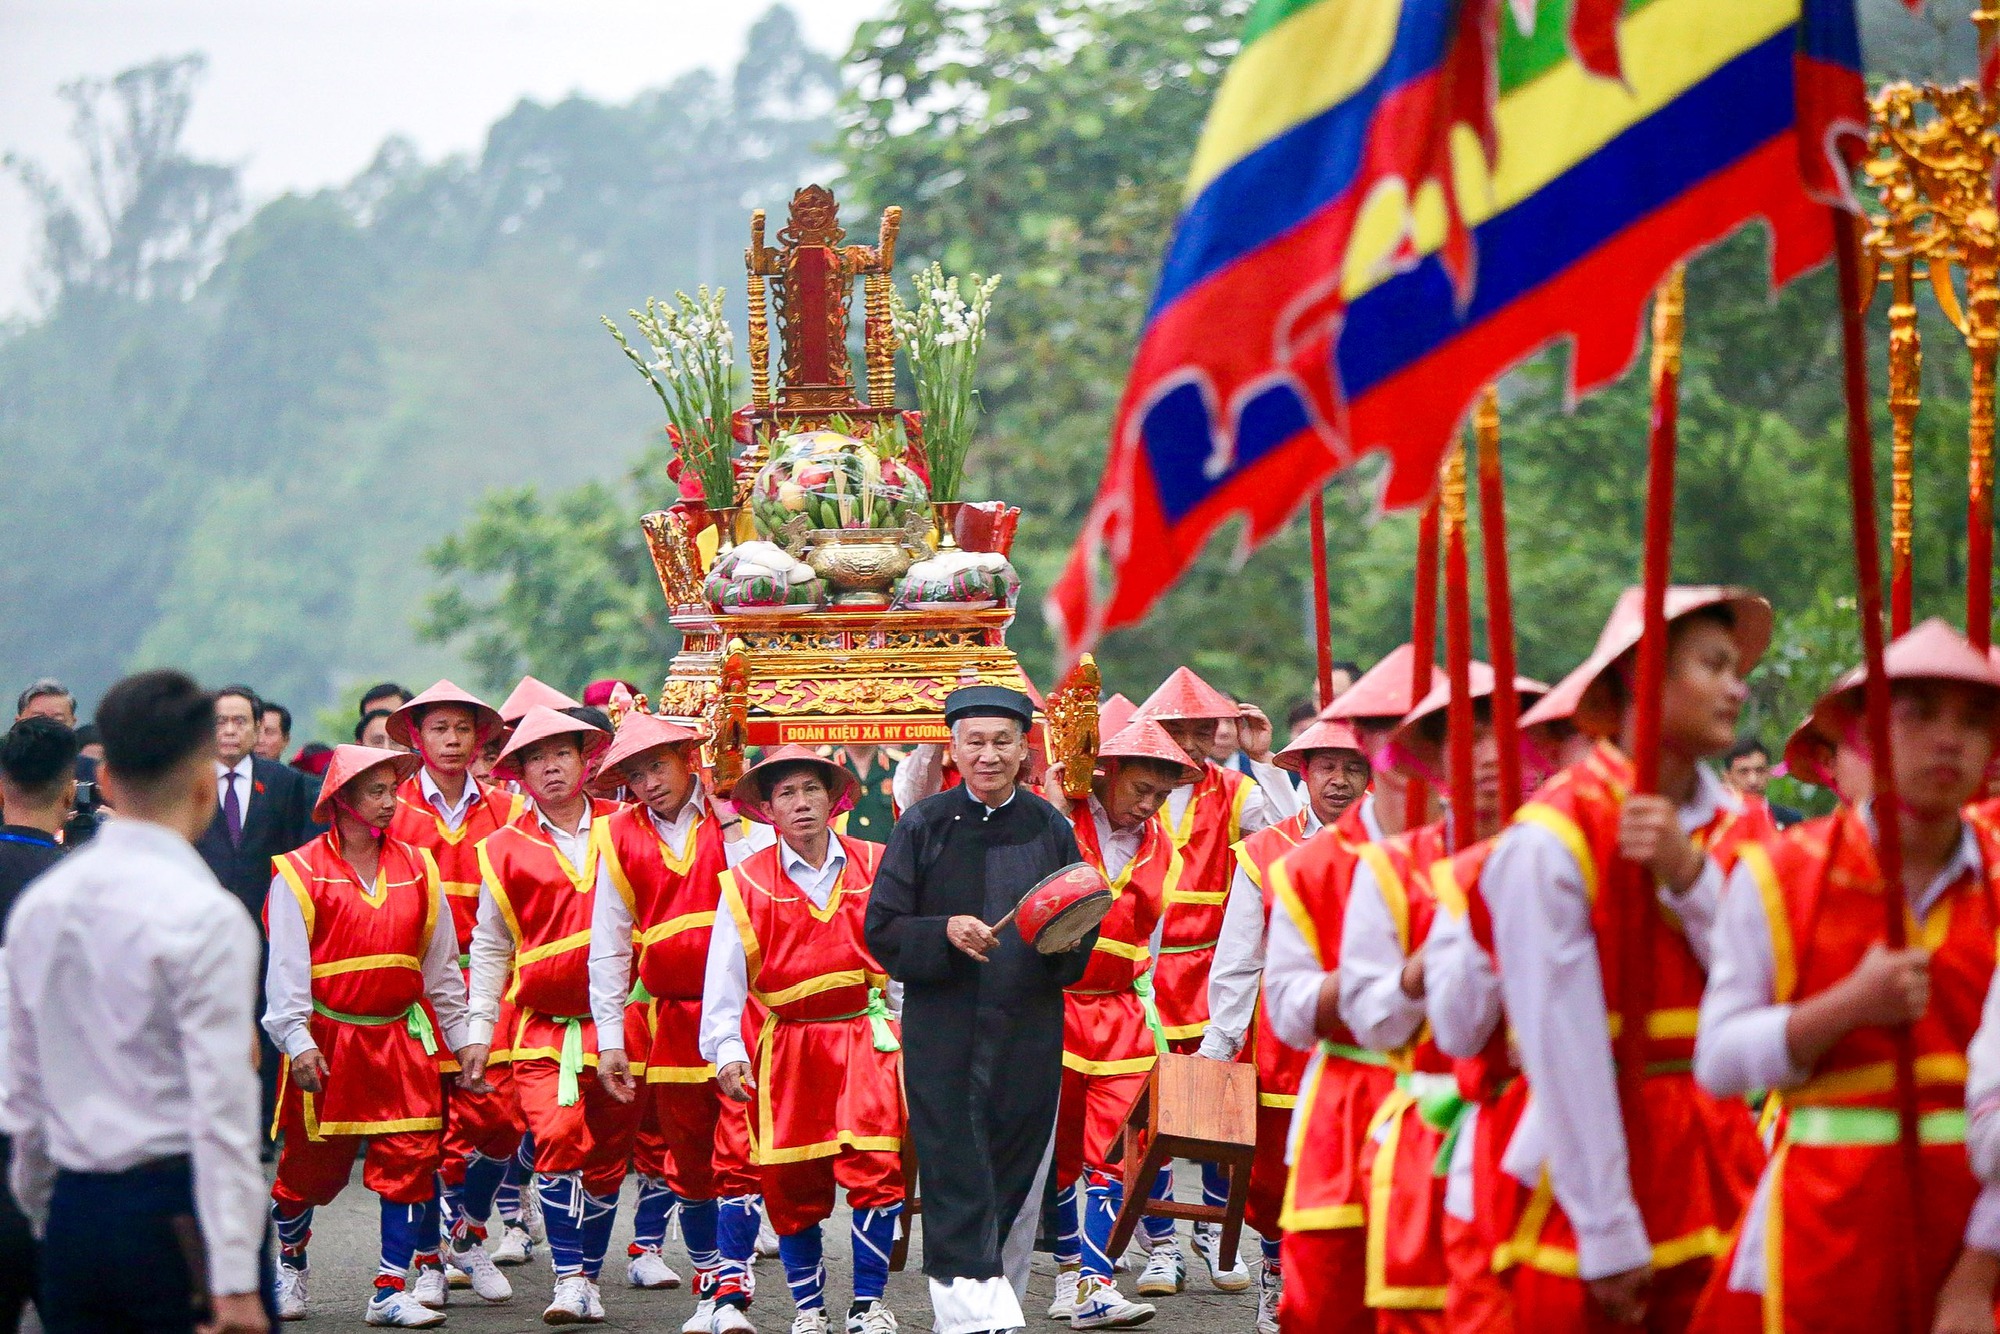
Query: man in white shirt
x: 130, y: 984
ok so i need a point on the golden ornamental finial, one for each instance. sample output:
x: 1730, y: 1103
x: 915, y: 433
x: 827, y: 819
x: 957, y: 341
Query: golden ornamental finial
x: 1669, y: 323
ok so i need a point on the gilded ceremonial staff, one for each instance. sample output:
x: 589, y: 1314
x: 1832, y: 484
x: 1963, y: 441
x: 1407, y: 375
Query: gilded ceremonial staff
x: 1423, y: 638
x: 1499, y: 598
x: 1459, y: 718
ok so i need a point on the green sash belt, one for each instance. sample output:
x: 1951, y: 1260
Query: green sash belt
x: 878, y: 1021
x: 1870, y: 1127
x: 1188, y: 949
x: 1442, y: 1107
x: 465, y: 961
x: 569, y: 1066
x: 1358, y: 1055
x: 418, y: 1022
x: 1142, y: 986
x: 640, y: 996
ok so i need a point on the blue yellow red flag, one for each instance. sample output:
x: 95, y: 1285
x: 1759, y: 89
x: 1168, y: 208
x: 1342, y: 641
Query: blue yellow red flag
x: 1394, y: 201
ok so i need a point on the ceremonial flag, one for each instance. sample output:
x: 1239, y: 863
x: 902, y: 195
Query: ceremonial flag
x: 1394, y: 201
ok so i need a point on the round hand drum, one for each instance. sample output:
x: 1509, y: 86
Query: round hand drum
x: 1063, y: 908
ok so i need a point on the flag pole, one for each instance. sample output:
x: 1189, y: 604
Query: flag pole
x: 1458, y: 651
x: 1868, y: 584
x: 1631, y: 888
x: 1423, y: 639
x: 1322, y: 615
x: 1499, y: 599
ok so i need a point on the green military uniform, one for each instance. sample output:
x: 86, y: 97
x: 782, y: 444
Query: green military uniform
x: 874, y: 809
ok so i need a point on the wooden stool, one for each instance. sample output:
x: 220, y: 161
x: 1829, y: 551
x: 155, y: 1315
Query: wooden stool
x: 899, y: 1254
x: 1198, y: 1109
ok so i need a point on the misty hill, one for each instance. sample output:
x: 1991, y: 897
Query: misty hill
x: 237, y: 469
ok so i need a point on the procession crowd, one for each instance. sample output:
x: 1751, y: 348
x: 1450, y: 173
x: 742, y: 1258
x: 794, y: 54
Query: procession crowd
x: 513, y: 956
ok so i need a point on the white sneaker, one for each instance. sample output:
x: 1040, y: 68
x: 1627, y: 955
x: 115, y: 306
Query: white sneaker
x: 515, y: 1247
x: 454, y: 1277
x: 1233, y: 1277
x: 399, y: 1310
x: 874, y: 1318
x: 571, y: 1304
x: 1270, y: 1287
x: 810, y: 1322
x: 1101, y: 1306
x: 291, y: 1293
x: 531, y: 1213
x: 1165, y: 1273
x: 1064, y: 1306
x: 486, y: 1281
x: 596, y: 1312
x: 703, y: 1319
x: 731, y: 1319
x: 430, y: 1289
x: 648, y: 1270
x: 767, y: 1240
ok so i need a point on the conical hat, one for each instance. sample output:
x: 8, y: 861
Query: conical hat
x: 1383, y: 690
x: 349, y: 762
x: 1144, y: 739
x: 637, y: 734
x: 1621, y: 635
x: 530, y: 692
x: 1809, y: 754
x: 542, y: 722
x: 403, y: 723
x: 1113, y: 714
x: 1411, y: 751
x: 748, y: 794
x: 1323, y: 734
x: 1183, y: 695
x: 1933, y: 651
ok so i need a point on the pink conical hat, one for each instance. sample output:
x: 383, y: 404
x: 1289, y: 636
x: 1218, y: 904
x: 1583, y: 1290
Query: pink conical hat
x: 1383, y: 690
x: 1933, y: 651
x: 1410, y: 750
x: 1144, y: 739
x: 403, y: 723
x: 530, y: 692
x: 542, y: 722
x: 1183, y: 695
x: 1113, y: 714
x: 1323, y: 734
x: 749, y: 796
x: 1621, y: 635
x: 349, y: 762
x: 636, y: 734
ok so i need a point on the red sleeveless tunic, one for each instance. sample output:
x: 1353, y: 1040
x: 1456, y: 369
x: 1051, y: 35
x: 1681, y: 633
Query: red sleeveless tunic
x: 1838, y: 1230
x: 1704, y: 1155
x: 1212, y: 822
x: 822, y: 1087
x: 1279, y: 1068
x: 456, y: 852
x: 673, y: 903
x: 1104, y: 1022
x: 368, y: 946
x: 1343, y: 1083
x: 547, y: 903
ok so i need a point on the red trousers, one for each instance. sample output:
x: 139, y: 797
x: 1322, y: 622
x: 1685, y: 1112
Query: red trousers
x: 707, y: 1140
x: 649, y: 1146
x: 1545, y: 1302
x: 485, y: 1123
x: 401, y: 1168
x: 799, y: 1195
x: 592, y: 1136
x: 1478, y: 1301
x: 1268, y: 1172
x: 1089, y: 1117
x: 1325, y: 1276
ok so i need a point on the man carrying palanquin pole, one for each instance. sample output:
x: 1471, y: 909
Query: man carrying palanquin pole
x: 983, y: 1011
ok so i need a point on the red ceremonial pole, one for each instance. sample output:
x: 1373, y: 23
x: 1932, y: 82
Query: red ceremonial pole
x: 1499, y: 600
x: 1458, y: 652
x: 1631, y: 884
x: 1322, y: 617
x: 1423, y: 638
x: 1888, y: 834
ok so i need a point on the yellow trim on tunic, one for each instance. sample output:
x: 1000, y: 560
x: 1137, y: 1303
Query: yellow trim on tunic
x: 1934, y: 1068
x: 813, y: 986
x: 1123, y: 950
x: 1571, y: 836
x: 290, y: 875
x: 1525, y: 1247
x: 1774, y: 1245
x: 673, y: 926
x: 1378, y: 1292
x: 1784, y: 957
x: 549, y: 949
x: 1395, y: 894
x: 1136, y: 1065
x: 1326, y: 1217
x: 1287, y: 898
x: 362, y: 963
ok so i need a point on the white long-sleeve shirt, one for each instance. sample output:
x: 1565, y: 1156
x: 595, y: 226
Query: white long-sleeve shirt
x: 1373, y: 1004
x: 288, y: 998
x: 611, y: 924
x: 131, y: 989
x: 1554, y: 993
x: 1256, y: 808
x: 1293, y: 974
x: 453, y: 814
x: 1741, y: 1043
x: 493, y: 944
x: 1238, y: 968
x: 919, y: 774
x: 725, y: 983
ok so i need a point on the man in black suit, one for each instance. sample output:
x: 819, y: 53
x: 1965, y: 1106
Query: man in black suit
x: 262, y: 809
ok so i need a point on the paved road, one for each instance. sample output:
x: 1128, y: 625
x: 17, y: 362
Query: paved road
x: 344, y: 1247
